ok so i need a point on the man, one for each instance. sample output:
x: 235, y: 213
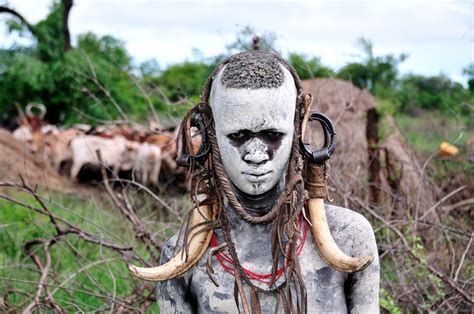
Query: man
x: 260, y: 256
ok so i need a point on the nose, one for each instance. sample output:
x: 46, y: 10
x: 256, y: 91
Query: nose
x: 255, y: 152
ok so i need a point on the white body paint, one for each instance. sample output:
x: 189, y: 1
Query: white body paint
x: 328, y: 291
x: 250, y: 167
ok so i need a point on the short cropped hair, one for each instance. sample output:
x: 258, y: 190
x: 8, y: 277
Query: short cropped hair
x: 253, y: 70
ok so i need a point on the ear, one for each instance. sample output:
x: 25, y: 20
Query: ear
x: 194, y: 119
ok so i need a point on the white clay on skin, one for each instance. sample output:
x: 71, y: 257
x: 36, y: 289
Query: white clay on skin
x: 250, y: 167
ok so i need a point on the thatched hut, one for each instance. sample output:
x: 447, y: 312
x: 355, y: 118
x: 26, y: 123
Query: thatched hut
x: 365, y: 165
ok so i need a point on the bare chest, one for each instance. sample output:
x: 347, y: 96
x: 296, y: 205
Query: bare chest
x: 324, y: 286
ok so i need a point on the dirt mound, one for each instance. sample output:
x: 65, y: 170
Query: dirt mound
x: 16, y: 159
x: 351, y: 172
x: 346, y: 105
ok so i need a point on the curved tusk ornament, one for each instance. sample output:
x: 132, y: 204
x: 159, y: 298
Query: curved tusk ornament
x: 315, y: 183
x: 179, y: 264
x: 327, y: 248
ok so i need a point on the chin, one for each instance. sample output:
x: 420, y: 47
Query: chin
x: 257, y: 188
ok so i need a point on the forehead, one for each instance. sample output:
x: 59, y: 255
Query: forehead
x: 254, y: 109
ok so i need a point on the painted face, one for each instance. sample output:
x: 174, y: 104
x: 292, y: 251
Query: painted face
x: 254, y: 130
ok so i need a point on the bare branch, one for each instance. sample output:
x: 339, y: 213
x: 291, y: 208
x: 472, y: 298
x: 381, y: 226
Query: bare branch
x: 462, y: 258
x: 459, y: 189
x: 4, y: 9
x: 129, y: 213
x: 463, y: 293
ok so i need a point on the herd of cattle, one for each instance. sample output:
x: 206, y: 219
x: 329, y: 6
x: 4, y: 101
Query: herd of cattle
x: 141, y: 152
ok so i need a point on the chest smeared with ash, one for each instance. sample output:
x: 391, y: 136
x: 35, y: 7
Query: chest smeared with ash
x: 327, y: 289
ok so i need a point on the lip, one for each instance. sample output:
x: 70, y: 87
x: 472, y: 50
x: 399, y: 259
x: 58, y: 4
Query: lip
x: 256, y: 176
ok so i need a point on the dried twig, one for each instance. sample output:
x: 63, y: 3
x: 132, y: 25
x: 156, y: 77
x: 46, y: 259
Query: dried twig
x: 446, y: 197
x: 119, y: 200
x: 63, y: 229
x: 463, y: 257
x: 463, y: 293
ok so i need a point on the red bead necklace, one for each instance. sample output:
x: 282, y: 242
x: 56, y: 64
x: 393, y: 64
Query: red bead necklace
x: 228, y: 265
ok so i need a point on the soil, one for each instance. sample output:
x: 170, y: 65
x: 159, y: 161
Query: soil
x: 16, y: 160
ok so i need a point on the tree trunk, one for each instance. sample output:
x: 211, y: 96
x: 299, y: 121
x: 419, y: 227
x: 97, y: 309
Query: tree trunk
x: 374, y: 156
x: 67, y: 5
x: 23, y: 21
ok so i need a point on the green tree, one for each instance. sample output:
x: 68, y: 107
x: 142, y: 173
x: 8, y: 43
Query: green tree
x: 431, y: 93
x: 248, y: 39
x: 95, y: 78
x: 27, y: 73
x: 376, y: 73
x: 469, y: 72
x: 308, y: 68
x: 183, y: 80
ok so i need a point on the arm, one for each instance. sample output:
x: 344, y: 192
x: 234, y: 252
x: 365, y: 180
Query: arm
x: 173, y: 295
x: 362, y: 288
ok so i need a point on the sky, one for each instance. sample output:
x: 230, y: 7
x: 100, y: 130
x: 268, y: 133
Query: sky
x: 437, y: 35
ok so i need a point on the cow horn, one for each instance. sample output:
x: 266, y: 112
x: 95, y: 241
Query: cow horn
x: 40, y: 107
x: 325, y: 244
x: 28, y: 108
x: 179, y: 264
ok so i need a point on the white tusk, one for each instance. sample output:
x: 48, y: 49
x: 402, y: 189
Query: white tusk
x: 325, y: 244
x: 178, y: 265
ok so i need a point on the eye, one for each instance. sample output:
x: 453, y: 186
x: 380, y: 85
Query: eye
x: 236, y: 135
x: 273, y: 134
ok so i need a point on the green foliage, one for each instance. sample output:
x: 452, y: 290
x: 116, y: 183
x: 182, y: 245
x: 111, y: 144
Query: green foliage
x: 379, y: 74
x: 376, y: 73
x: 93, y: 79
x: 245, y: 41
x: 432, y: 93
x: 182, y: 80
x: 97, y: 73
x: 308, y: 68
x: 97, y: 79
x: 426, y: 134
x: 85, y: 273
x: 469, y: 72
x: 419, y: 275
x: 388, y: 303
x: 49, y: 35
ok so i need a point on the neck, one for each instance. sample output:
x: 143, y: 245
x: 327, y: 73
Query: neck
x: 259, y: 205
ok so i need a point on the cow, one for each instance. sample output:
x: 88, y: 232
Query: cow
x: 34, y: 138
x: 148, y: 164
x: 117, y: 153
x: 57, y: 146
x: 166, y: 141
x: 23, y: 134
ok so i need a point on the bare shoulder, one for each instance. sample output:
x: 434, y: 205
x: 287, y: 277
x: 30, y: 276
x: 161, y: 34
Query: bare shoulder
x: 340, y: 216
x: 170, y: 247
x: 351, y: 230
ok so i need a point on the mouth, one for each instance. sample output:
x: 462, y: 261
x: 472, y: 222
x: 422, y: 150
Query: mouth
x: 256, y: 177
